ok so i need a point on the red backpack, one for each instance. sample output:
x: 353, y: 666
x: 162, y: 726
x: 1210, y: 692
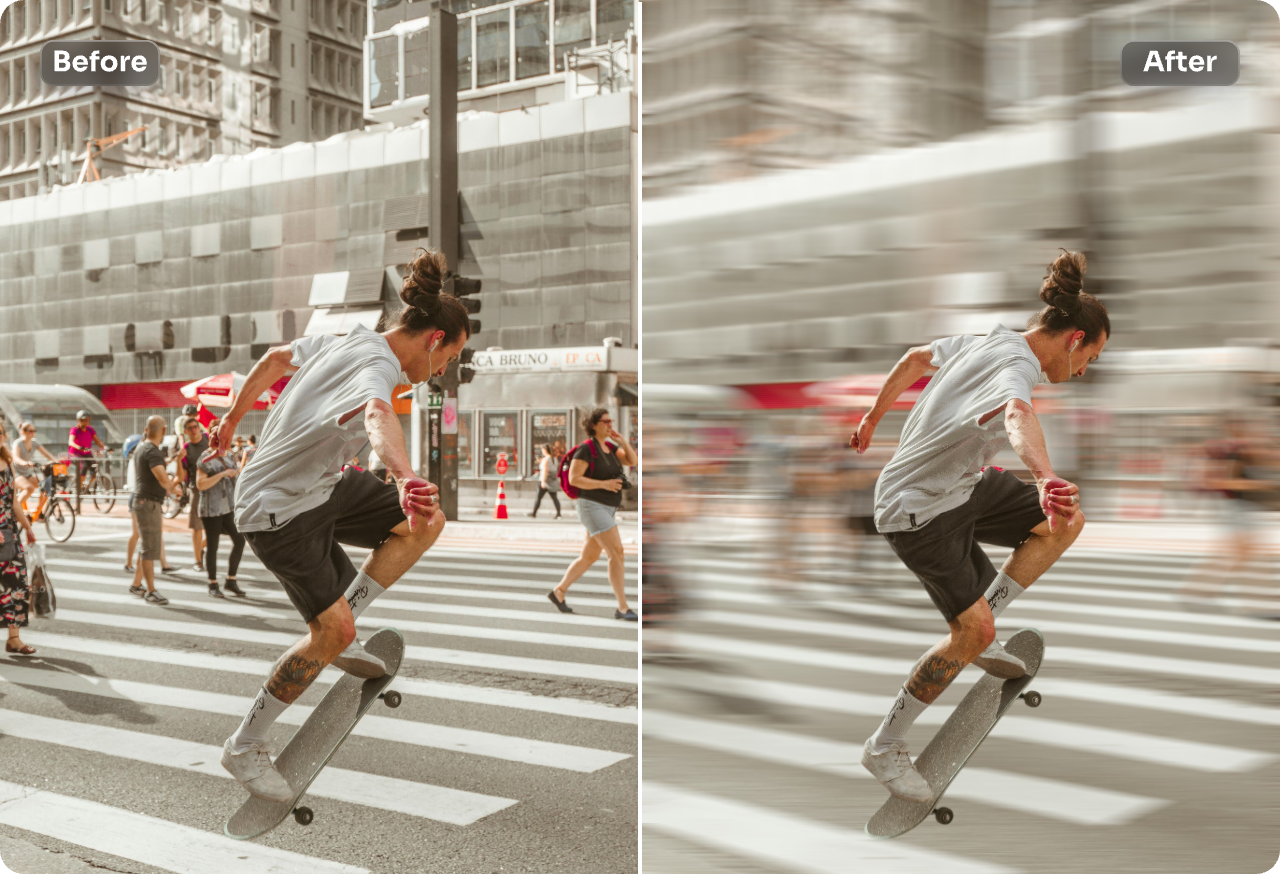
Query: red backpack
x: 571, y: 492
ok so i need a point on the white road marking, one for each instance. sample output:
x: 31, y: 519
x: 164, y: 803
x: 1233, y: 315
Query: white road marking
x: 787, y: 842
x: 1054, y: 799
x: 148, y: 840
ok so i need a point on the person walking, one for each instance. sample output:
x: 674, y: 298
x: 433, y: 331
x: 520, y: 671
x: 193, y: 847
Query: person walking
x: 296, y: 505
x: 599, y: 497
x: 548, y: 480
x: 197, y: 443
x: 150, y: 484
x: 215, y: 482
x: 936, y: 500
x: 15, y: 589
x: 26, y: 467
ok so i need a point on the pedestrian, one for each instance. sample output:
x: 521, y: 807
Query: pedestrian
x: 190, y: 411
x: 548, y: 479
x: 215, y: 473
x: 251, y: 448
x: 26, y: 467
x: 935, y: 500
x: 130, y: 444
x: 238, y: 450
x: 15, y: 589
x: 599, y: 496
x: 150, y: 484
x: 295, y: 504
x: 196, y: 444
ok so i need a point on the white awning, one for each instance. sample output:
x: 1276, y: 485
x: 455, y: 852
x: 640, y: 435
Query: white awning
x: 331, y: 321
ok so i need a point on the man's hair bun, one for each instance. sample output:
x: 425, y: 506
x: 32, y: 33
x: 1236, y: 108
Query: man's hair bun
x: 422, y: 284
x: 1065, y: 280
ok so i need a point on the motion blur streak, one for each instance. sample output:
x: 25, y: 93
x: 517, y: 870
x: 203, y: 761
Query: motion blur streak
x: 828, y: 184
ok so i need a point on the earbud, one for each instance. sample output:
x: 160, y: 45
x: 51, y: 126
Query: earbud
x: 436, y: 345
x: 1075, y: 345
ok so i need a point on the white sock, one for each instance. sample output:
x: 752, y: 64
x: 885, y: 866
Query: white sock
x: 1001, y: 591
x: 894, y: 728
x: 264, y: 712
x: 361, y: 592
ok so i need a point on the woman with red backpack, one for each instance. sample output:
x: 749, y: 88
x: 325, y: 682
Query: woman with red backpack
x: 592, y: 474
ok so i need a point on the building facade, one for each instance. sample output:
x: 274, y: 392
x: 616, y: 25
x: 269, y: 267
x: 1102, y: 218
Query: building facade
x: 234, y: 77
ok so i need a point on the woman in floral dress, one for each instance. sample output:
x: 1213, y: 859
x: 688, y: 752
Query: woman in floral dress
x: 15, y: 591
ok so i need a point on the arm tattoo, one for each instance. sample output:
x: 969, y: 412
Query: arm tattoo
x: 291, y: 677
x: 932, y: 675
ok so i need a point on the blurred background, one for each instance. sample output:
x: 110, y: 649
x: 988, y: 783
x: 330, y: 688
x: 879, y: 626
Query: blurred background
x: 829, y: 182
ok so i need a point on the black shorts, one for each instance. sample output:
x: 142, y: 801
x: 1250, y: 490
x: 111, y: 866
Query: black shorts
x: 944, y: 554
x: 305, y: 553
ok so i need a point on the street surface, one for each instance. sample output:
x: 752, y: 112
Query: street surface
x: 514, y: 749
x: 1156, y: 748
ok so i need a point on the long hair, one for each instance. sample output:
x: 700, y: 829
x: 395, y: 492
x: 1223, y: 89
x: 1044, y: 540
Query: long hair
x: 1068, y: 306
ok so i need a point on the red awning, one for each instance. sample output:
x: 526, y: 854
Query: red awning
x: 856, y: 392
x: 164, y: 395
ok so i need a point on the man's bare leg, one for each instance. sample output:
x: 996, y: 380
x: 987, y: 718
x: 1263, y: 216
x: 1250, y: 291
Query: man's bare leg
x: 1041, y: 550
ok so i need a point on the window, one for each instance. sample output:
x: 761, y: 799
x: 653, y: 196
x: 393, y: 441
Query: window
x: 464, y: 54
x: 384, y: 71
x: 312, y: 9
x: 493, y: 49
x: 315, y: 62
x: 209, y: 85
x: 179, y: 21
x: 417, y: 63
x: 355, y: 22
x: 498, y: 434
x: 342, y: 16
x: 352, y: 70
x: 178, y: 83
x: 22, y: 79
x: 613, y: 17
x: 293, y: 55
x: 546, y: 427
x: 36, y: 7
x: 572, y: 27
x: 533, y: 46
x: 22, y: 144
x: 38, y: 128
x: 465, y: 463
x: 293, y: 112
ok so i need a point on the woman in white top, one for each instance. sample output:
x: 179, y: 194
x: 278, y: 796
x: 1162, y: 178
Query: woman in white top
x: 26, y: 467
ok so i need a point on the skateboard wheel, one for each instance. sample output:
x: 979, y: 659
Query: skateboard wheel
x: 391, y: 699
x: 944, y: 815
x: 303, y: 815
x: 1032, y: 698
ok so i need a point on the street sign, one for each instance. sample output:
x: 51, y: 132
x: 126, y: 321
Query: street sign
x: 502, y: 463
x: 435, y: 402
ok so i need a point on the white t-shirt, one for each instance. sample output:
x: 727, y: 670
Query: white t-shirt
x: 943, y: 448
x: 302, y: 447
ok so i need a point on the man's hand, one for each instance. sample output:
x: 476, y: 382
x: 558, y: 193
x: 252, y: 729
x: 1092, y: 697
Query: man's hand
x: 418, y: 498
x: 861, y: 440
x: 223, y: 436
x: 1059, y: 499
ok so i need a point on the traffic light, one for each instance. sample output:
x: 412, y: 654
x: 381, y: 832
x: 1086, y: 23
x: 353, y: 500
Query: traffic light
x: 465, y: 373
x: 463, y: 288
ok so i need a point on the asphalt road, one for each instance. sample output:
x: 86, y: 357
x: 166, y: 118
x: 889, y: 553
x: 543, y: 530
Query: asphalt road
x: 514, y: 749
x: 1156, y: 748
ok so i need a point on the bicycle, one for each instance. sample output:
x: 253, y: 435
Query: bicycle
x: 174, y: 505
x: 100, y: 484
x: 55, y: 508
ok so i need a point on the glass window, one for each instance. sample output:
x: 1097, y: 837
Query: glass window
x: 493, y: 48
x: 533, y: 47
x: 499, y: 441
x: 417, y: 63
x: 572, y: 27
x: 464, y: 54
x: 384, y: 70
x: 465, y: 462
x: 547, y: 427
x: 613, y: 17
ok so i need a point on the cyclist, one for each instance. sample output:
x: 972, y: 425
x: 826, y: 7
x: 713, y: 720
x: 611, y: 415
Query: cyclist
x: 81, y: 442
x: 25, y: 465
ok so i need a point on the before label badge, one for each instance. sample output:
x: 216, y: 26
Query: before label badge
x: 99, y: 62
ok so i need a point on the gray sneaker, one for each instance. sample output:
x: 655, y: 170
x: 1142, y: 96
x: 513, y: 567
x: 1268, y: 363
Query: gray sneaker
x: 355, y: 661
x: 998, y: 663
x: 254, y: 771
x: 895, y: 772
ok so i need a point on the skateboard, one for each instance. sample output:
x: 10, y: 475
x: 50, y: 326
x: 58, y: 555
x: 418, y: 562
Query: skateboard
x: 962, y: 734
x: 315, y: 742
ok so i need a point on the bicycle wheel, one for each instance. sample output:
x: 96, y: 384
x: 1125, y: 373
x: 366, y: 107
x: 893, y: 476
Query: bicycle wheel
x: 59, y: 520
x: 104, y: 493
x: 173, y: 506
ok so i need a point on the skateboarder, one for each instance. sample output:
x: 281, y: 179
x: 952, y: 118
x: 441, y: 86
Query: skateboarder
x: 295, y: 504
x: 936, y: 499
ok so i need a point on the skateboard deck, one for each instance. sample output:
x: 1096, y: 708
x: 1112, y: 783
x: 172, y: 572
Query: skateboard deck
x: 962, y: 734
x: 317, y: 739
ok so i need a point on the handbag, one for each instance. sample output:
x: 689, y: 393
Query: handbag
x: 44, y: 603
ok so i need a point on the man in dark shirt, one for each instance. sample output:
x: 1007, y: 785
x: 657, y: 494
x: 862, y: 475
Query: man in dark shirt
x: 151, y: 482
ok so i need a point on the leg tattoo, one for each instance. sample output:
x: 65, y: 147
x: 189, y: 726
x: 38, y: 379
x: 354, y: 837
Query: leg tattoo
x: 932, y: 675
x: 291, y: 677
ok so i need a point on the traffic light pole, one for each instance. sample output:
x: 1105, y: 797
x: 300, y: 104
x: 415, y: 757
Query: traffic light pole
x: 442, y: 198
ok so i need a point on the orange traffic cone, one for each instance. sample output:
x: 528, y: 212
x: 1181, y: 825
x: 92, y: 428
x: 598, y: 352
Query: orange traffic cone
x: 500, y: 505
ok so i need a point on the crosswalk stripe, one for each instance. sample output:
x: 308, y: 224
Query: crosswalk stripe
x: 860, y: 704
x: 786, y: 841
x: 853, y: 631
x: 228, y: 607
x: 148, y: 840
x: 547, y: 754
x: 581, y: 670
x: 437, y: 803
x: 1061, y: 654
x: 1054, y: 799
x: 547, y: 616
x: 260, y: 668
